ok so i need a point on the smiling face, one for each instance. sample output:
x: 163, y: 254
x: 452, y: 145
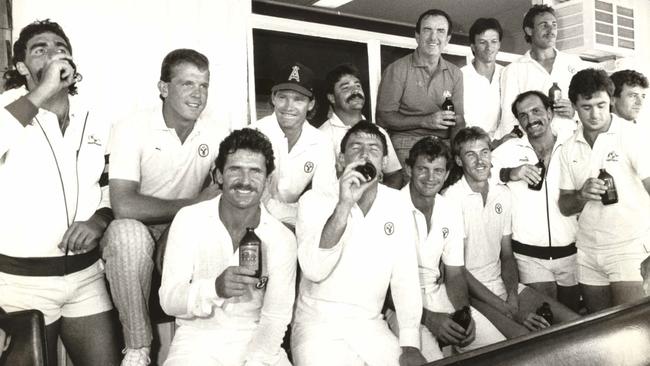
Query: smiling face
x: 544, y: 31
x: 533, y: 117
x: 629, y: 103
x: 243, y: 178
x: 348, y: 94
x: 433, y: 36
x: 475, y: 159
x: 428, y: 176
x: 594, y: 112
x: 291, y: 108
x: 486, y: 46
x: 40, y: 51
x: 186, y: 94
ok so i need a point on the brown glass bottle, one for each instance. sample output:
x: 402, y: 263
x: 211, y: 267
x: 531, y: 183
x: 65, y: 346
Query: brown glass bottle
x: 610, y: 196
x: 367, y: 170
x: 517, y: 131
x: 555, y: 93
x: 462, y: 316
x: 545, y: 312
x: 250, y: 252
x: 542, y: 173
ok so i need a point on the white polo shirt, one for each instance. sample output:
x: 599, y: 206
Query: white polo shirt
x: 444, y: 240
x: 527, y: 74
x: 35, y: 175
x: 199, y: 249
x: 482, y: 98
x: 309, y: 163
x: 335, y: 129
x: 536, y: 216
x: 485, y: 225
x: 145, y: 150
x: 624, y: 152
x: 346, y: 284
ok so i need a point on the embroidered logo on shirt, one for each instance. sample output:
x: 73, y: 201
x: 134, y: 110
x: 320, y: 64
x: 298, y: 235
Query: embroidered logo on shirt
x: 445, y: 232
x: 309, y: 166
x: 389, y: 228
x: 262, y: 283
x: 612, y: 156
x: 92, y: 140
x: 524, y: 159
x: 204, y: 150
x: 498, y: 208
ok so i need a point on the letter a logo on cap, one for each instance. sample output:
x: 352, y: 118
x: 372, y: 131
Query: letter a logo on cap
x: 295, y: 74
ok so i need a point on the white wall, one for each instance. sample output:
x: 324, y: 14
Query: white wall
x: 118, y: 46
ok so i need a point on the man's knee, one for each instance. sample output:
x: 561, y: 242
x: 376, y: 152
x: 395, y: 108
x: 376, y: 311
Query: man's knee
x: 127, y: 237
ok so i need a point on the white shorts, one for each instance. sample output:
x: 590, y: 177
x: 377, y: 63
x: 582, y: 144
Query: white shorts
x: 74, y: 295
x: 499, y: 288
x: 620, y: 263
x: 561, y: 270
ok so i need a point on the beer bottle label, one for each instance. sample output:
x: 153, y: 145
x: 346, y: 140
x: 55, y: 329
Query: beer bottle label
x: 249, y: 256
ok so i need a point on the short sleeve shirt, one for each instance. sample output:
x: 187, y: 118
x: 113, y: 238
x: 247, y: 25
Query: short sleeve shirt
x: 482, y: 102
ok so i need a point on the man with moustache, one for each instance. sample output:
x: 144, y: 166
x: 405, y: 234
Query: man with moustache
x: 303, y: 154
x: 612, y: 239
x: 412, y: 88
x: 482, y: 76
x: 346, y: 96
x: 439, y: 225
x: 629, y: 93
x: 491, y: 269
x: 159, y: 163
x: 351, y: 248
x: 543, y: 240
x: 225, y: 315
x: 54, y: 199
x: 538, y: 69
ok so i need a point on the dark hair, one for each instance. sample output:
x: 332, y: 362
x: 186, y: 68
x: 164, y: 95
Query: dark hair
x: 630, y: 78
x: 483, y: 24
x: 246, y: 139
x: 431, y: 147
x: 368, y: 128
x: 431, y: 13
x: 13, y: 79
x: 179, y: 56
x: 337, y: 73
x: 546, y: 101
x: 529, y: 18
x: 589, y: 81
x: 467, y: 134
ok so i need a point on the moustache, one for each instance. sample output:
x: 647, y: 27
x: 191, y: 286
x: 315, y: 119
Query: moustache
x: 242, y: 186
x: 355, y: 95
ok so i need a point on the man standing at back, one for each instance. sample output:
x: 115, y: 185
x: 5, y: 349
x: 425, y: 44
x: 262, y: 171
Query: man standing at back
x: 629, y: 93
x: 346, y: 96
x: 158, y: 166
x: 413, y: 88
x: 538, y: 69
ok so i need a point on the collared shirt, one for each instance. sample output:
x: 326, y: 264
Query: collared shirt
x: 536, y: 216
x: 335, y: 129
x: 443, y: 241
x: 485, y: 225
x: 527, y: 74
x: 482, y: 101
x: 310, y: 163
x: 145, y: 150
x: 348, y: 282
x: 199, y: 249
x: 623, y: 152
x: 408, y: 88
x: 48, y: 179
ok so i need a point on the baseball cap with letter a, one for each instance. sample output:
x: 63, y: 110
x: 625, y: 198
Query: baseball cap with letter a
x: 296, y: 77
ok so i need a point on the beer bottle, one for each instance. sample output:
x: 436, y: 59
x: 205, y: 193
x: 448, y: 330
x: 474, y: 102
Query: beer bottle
x: 462, y: 316
x: 367, y: 170
x: 555, y: 93
x: 517, y: 131
x: 545, y: 312
x: 542, y: 172
x: 447, y: 105
x: 250, y: 252
x: 610, y: 196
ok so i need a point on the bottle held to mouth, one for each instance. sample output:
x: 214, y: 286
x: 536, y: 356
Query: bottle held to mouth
x: 517, y: 131
x: 250, y: 252
x: 368, y: 171
x: 542, y: 173
x: 611, y: 195
x: 555, y: 93
x: 76, y: 76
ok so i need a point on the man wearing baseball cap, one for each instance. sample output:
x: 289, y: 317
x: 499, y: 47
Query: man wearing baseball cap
x: 304, y: 157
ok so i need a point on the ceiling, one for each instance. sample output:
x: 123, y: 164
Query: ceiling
x: 510, y: 14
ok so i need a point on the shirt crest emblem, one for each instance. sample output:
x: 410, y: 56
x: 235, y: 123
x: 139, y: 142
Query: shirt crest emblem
x: 445, y: 232
x: 93, y: 140
x: 612, y: 156
x: 498, y: 208
x: 262, y: 282
x: 389, y: 228
x: 204, y: 150
x: 309, y: 167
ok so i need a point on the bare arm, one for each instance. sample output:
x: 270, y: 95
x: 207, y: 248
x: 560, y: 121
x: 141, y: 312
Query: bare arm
x: 479, y: 291
x: 509, y: 271
x: 456, y: 286
x: 572, y: 202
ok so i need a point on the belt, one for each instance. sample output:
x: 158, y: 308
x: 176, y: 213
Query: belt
x: 48, y: 266
x: 543, y: 252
